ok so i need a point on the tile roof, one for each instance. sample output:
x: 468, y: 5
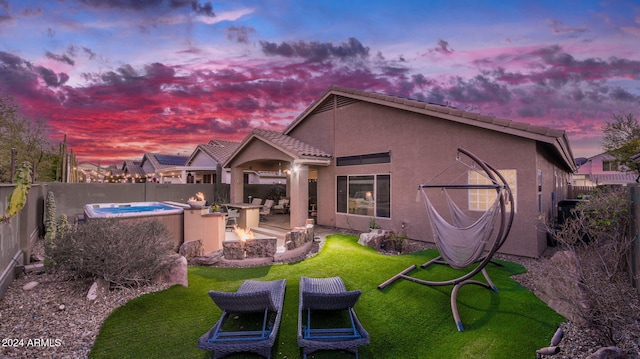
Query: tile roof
x: 554, y: 137
x: 295, y: 148
x: 289, y: 144
x: 219, y: 150
x: 612, y: 178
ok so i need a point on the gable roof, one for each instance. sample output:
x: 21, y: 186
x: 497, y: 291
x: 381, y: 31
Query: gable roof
x: 162, y: 161
x: 133, y: 168
x: 301, y: 152
x: 338, y: 96
x: 218, y: 150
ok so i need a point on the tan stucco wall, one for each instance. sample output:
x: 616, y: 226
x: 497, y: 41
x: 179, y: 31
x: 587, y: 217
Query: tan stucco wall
x: 420, y: 147
x: 256, y: 151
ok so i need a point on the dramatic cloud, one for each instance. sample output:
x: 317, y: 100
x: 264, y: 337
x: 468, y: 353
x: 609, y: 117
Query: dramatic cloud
x: 240, y: 33
x: 315, y: 51
x: 129, y: 77
x: 60, y: 58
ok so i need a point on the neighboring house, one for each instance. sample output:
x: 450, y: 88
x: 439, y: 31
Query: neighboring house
x: 265, y: 177
x: 385, y: 146
x: 601, y: 169
x: 133, y: 172
x: 163, y: 168
x: 205, y: 163
x: 91, y: 173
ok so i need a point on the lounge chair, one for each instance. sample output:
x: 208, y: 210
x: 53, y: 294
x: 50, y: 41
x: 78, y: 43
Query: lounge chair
x: 282, y: 207
x: 324, y: 299
x: 232, y: 216
x: 266, y: 209
x: 253, y: 299
x: 257, y: 201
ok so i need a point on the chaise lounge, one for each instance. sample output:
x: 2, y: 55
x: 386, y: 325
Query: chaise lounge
x: 252, y: 300
x: 325, y: 303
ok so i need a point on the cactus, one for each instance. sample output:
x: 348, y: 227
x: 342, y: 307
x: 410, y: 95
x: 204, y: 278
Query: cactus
x: 64, y: 227
x: 18, y: 198
x: 50, y: 220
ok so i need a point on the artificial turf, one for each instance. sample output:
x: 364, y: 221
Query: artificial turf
x: 405, y: 320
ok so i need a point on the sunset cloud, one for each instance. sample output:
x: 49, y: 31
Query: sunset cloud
x: 129, y: 77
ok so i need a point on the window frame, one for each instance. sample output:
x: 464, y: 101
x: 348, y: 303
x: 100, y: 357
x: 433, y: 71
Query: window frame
x: 343, y: 195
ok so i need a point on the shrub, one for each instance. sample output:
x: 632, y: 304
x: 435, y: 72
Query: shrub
x: 600, y: 239
x: 125, y: 254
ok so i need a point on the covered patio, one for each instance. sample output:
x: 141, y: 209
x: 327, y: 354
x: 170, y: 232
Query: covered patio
x: 264, y: 150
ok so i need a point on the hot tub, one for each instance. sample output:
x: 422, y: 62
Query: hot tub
x: 169, y: 214
x: 132, y: 209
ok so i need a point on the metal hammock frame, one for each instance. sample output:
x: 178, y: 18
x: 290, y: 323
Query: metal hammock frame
x: 505, y: 219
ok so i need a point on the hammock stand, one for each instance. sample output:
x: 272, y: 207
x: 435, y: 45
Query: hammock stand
x: 484, y: 256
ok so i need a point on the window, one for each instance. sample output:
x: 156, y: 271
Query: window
x: 368, y: 195
x: 482, y: 199
x: 373, y: 158
x: 610, y: 166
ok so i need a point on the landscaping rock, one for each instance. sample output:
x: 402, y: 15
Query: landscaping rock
x: 191, y: 249
x: 35, y: 257
x: 609, y: 353
x: 565, y: 295
x: 208, y: 260
x: 99, y: 288
x: 29, y: 286
x: 374, y: 238
x: 178, y: 273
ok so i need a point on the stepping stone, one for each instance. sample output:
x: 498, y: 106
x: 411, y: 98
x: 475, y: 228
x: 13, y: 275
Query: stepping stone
x: 30, y: 286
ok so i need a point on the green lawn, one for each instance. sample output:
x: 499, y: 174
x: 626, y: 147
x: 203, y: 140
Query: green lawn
x: 405, y: 320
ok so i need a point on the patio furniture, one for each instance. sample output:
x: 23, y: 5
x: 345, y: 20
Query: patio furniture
x: 257, y: 201
x: 236, y: 330
x: 282, y: 207
x: 464, y: 242
x: 266, y: 209
x: 232, y: 216
x: 326, y: 318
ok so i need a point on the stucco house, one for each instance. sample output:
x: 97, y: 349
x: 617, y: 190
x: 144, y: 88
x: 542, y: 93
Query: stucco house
x: 386, y: 146
x: 601, y: 169
x: 205, y: 163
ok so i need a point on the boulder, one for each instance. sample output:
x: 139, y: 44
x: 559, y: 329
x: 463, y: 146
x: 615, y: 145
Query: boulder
x: 374, y: 238
x: 206, y: 260
x: 191, y: 249
x: 565, y: 294
x: 177, y: 274
x: 100, y: 287
x: 608, y: 353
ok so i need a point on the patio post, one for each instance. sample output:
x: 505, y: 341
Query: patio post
x: 299, y: 195
x: 236, y: 190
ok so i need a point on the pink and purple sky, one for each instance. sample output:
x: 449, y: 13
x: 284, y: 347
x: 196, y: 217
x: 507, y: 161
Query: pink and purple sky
x: 125, y: 77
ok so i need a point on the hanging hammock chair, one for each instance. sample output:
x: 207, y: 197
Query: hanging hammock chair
x: 463, y: 241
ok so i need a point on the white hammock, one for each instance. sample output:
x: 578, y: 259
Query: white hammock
x: 461, y: 243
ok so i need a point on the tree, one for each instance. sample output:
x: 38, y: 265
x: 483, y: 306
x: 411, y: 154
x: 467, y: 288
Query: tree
x: 622, y: 141
x: 29, y: 137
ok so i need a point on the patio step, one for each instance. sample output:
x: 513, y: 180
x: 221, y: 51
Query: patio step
x: 270, y: 231
x: 278, y: 233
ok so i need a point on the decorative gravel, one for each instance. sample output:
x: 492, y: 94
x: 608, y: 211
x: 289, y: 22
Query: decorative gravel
x: 55, y: 319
